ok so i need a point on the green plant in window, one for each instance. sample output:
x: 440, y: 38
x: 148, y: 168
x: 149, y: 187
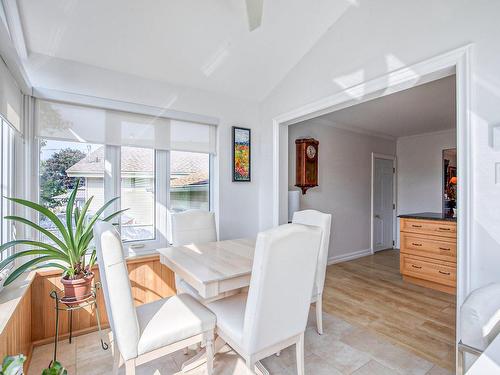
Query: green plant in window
x: 68, y: 248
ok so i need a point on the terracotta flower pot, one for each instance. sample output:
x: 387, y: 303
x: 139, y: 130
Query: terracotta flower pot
x: 76, y: 290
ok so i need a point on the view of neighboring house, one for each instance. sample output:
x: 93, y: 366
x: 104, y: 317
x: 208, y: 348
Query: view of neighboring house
x: 188, y: 185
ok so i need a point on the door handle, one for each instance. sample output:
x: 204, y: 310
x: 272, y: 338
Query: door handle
x: 377, y: 216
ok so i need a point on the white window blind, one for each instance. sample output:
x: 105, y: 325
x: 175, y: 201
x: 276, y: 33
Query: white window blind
x: 70, y: 122
x: 10, y: 98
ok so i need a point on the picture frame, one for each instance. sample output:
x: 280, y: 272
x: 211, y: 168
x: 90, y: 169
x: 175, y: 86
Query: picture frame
x: 241, y: 154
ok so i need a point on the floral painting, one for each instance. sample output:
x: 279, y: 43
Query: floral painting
x: 241, y: 154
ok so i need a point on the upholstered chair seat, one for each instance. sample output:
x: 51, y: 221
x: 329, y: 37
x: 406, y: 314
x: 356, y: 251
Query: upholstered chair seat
x: 169, y: 320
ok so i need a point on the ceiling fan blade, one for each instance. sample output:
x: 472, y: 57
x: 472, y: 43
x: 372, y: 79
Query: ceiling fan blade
x: 254, y: 13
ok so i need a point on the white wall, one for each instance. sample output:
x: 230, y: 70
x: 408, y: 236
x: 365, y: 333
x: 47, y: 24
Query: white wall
x: 420, y: 171
x: 375, y: 37
x: 344, y: 168
x: 238, y: 202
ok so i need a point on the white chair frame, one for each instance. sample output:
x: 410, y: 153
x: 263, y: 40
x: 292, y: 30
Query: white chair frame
x: 131, y: 364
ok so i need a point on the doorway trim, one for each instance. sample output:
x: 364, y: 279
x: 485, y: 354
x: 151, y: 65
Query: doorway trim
x: 394, y: 196
x: 457, y: 61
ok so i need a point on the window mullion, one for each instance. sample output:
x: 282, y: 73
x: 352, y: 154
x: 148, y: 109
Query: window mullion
x: 112, y: 170
x: 162, y: 165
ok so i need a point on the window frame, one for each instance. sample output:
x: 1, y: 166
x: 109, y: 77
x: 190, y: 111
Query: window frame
x: 8, y: 161
x: 112, y: 188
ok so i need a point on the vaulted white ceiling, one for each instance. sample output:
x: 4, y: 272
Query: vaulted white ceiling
x: 203, y: 44
x: 425, y: 108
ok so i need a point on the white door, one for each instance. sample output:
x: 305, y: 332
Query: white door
x: 383, y: 191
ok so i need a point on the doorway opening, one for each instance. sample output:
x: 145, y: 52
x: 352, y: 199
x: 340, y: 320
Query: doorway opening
x: 453, y: 64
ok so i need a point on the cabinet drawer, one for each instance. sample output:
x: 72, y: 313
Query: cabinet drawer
x: 442, y: 273
x: 429, y: 246
x: 437, y: 228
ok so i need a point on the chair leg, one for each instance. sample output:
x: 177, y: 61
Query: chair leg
x: 116, y: 359
x: 319, y: 314
x: 461, y: 362
x: 210, y: 356
x: 300, y: 355
x: 130, y: 367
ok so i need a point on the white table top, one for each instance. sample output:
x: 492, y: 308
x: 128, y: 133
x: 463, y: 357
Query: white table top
x: 203, y: 265
x: 488, y: 362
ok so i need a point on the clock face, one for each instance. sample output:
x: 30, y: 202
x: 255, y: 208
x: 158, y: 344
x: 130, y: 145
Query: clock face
x: 311, y: 151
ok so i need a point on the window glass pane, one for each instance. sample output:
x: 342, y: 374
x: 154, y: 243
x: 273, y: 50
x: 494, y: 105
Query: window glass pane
x: 137, y: 193
x: 61, y: 165
x: 189, y: 181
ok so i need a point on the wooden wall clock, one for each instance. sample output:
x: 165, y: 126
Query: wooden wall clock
x: 306, y: 163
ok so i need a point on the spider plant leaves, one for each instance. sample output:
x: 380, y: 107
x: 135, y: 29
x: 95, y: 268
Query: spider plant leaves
x: 69, y: 213
x: 25, y: 267
x: 46, y: 212
x: 42, y: 230
x: 54, y: 254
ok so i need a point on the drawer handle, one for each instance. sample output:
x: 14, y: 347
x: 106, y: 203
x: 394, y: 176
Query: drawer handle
x: 441, y: 228
x: 416, y: 226
x: 416, y: 244
x: 444, y: 273
x: 418, y: 267
x: 444, y: 248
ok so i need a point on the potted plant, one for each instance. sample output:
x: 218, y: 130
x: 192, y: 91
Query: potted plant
x: 67, y: 250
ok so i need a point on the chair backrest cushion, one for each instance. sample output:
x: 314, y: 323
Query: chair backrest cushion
x: 480, y: 316
x: 117, y: 291
x: 193, y: 226
x: 324, y: 221
x: 280, y: 288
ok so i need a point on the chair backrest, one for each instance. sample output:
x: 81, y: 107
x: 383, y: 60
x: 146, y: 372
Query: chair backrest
x: 324, y: 221
x: 193, y: 226
x: 117, y: 291
x: 280, y: 288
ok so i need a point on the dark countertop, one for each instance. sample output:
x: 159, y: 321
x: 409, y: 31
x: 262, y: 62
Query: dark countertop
x: 429, y: 216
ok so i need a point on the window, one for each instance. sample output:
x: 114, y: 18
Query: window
x: 62, y: 163
x: 7, y: 135
x: 189, y: 181
x: 137, y: 193
x: 122, y: 154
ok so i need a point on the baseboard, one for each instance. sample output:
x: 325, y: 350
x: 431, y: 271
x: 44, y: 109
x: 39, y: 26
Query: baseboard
x: 349, y: 256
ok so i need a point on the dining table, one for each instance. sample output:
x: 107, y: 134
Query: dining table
x: 214, y: 270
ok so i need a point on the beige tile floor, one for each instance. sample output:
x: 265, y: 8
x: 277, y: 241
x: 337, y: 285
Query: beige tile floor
x: 342, y: 349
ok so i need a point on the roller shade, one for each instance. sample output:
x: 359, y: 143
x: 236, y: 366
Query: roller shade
x: 10, y: 97
x: 70, y: 122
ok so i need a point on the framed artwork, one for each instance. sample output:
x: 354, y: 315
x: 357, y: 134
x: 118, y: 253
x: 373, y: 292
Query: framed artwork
x: 241, y: 154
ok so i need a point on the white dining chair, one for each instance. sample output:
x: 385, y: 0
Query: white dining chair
x: 188, y: 227
x: 324, y: 221
x: 151, y: 330
x: 273, y: 314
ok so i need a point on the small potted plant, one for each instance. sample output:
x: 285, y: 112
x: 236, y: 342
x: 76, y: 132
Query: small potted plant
x: 68, y: 249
